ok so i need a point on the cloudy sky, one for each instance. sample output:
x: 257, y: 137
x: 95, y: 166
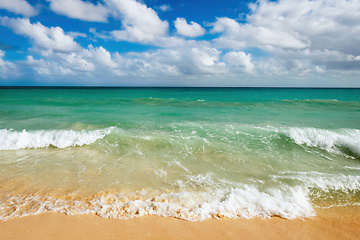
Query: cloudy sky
x: 180, y: 42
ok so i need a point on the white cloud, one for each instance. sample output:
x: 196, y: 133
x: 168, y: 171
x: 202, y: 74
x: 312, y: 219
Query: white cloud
x: 239, y: 36
x: 287, y: 39
x: 239, y: 60
x: 40, y: 66
x: 65, y: 71
x: 140, y: 23
x: 302, y: 35
x: 6, y: 68
x: 77, y: 34
x: 189, y: 30
x: 327, y: 24
x: 89, y: 60
x: 48, y: 69
x: 207, y: 60
x: 93, y: 60
x: 186, y: 60
x: 96, y: 64
x: 271, y: 67
x: 78, y: 9
x: 19, y: 7
x: 165, y: 7
x: 42, y: 37
x: 77, y: 62
x: 191, y: 64
x: 100, y: 56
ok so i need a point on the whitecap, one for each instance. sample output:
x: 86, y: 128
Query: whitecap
x: 12, y: 140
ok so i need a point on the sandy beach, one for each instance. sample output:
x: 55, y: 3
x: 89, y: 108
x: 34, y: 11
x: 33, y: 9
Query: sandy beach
x: 335, y: 223
x: 154, y: 119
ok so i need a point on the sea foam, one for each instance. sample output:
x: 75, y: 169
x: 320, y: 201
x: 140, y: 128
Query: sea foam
x: 243, y: 202
x: 326, y: 182
x: 329, y: 140
x: 12, y: 140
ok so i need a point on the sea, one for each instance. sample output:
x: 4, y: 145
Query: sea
x: 187, y: 153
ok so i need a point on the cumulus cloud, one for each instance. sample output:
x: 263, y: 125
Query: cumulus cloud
x: 327, y: 24
x: 239, y: 60
x: 99, y: 66
x: 188, y: 60
x: 78, y: 9
x: 100, y: 56
x: 93, y: 60
x: 191, y: 64
x: 49, y: 69
x: 6, y: 68
x: 239, y: 36
x: 189, y: 30
x: 140, y: 23
x: 42, y: 37
x: 39, y: 66
x: 19, y: 7
x: 316, y: 34
x: 76, y: 61
x: 315, y: 38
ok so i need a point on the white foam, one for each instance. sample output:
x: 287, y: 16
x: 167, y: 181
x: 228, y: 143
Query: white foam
x: 12, y: 140
x: 242, y: 202
x: 324, y: 181
x: 353, y: 168
x: 326, y: 139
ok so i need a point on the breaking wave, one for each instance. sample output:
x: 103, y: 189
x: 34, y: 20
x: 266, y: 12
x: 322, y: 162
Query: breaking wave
x: 244, y: 202
x: 12, y: 140
x: 329, y: 140
x: 341, y: 141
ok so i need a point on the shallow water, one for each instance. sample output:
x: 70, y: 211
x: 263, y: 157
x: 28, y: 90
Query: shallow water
x: 190, y: 153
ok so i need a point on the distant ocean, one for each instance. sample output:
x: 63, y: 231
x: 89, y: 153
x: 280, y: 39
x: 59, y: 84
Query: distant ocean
x: 189, y: 153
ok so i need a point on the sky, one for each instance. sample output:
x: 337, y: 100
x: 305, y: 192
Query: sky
x: 199, y: 43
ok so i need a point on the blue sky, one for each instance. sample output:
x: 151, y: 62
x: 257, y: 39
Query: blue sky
x: 284, y: 43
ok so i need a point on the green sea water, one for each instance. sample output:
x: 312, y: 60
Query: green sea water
x: 190, y: 153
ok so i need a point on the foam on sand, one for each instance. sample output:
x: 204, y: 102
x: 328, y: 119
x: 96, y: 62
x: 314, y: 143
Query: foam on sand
x: 244, y: 202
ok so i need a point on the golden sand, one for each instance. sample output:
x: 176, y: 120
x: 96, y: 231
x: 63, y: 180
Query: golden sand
x: 335, y: 223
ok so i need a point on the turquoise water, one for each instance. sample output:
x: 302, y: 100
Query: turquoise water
x: 190, y: 153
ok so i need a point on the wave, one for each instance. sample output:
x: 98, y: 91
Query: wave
x: 244, y: 202
x: 288, y: 194
x: 338, y: 141
x: 326, y: 189
x: 205, y: 102
x: 326, y: 182
x: 322, y: 102
x: 236, y: 137
x: 13, y: 140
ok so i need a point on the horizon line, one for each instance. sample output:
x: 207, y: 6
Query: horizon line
x: 115, y: 86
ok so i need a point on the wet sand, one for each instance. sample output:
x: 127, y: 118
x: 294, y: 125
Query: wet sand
x: 335, y: 223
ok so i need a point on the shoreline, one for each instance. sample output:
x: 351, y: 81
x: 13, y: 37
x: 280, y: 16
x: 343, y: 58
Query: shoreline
x: 333, y: 223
